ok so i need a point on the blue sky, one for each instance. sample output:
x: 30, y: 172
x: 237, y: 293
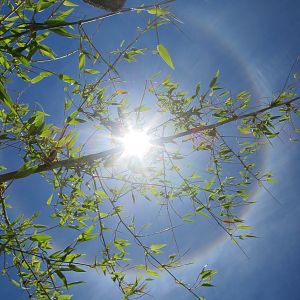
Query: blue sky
x: 253, y: 44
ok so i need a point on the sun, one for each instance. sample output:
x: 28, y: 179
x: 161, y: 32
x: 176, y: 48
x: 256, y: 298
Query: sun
x: 136, y: 143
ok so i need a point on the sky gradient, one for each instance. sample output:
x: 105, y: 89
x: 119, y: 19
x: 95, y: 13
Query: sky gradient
x: 253, y: 44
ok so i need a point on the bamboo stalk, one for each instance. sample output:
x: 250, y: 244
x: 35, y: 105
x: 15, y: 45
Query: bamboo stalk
x: 73, y: 162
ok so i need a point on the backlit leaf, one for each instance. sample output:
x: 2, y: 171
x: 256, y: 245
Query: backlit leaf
x: 163, y: 52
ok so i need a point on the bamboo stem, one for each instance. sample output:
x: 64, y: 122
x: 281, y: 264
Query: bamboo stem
x: 73, y: 162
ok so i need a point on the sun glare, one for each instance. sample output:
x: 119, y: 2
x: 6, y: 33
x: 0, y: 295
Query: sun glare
x: 136, y: 143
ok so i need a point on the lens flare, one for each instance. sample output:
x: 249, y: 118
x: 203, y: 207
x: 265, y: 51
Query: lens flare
x: 136, y: 143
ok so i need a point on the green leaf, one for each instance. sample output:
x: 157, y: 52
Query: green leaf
x: 214, y: 80
x: 45, y: 50
x: 140, y: 267
x: 130, y: 55
x: 49, y: 199
x: 63, y: 32
x: 243, y: 227
x: 152, y: 273
x: 64, y: 297
x: 158, y: 11
x: 81, y: 60
x: 200, y: 212
x: 70, y: 284
x: 68, y: 104
x: 69, y: 3
x: 86, y: 235
x: 43, y: 4
x: 15, y: 283
x: 163, y: 52
x: 76, y: 121
x: 72, y: 116
x: 209, y: 183
x: 157, y: 247
x: 40, y: 238
x: 76, y: 269
x: 101, y: 194
x: 207, y: 274
x: 68, y: 79
x: 244, y: 130
x: 41, y: 76
x: 64, y: 14
x: 207, y: 284
x: 62, y: 277
x: 39, y: 226
x: 6, y: 99
x: 91, y: 71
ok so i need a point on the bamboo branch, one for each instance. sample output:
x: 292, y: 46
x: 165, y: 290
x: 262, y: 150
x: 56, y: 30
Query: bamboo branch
x: 90, y: 158
x: 229, y: 120
x: 35, y: 27
x: 66, y: 163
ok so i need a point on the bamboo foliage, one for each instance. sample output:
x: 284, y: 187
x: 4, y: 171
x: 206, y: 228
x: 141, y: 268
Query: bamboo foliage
x: 94, y: 191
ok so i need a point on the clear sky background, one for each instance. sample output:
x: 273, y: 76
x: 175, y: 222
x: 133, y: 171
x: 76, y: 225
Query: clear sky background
x: 254, y: 44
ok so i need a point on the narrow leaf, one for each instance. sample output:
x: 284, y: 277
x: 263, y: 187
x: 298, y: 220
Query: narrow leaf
x: 49, y: 199
x: 81, y: 60
x: 163, y: 52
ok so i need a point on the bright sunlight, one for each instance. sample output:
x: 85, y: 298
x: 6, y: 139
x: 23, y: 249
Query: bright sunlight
x: 136, y: 143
